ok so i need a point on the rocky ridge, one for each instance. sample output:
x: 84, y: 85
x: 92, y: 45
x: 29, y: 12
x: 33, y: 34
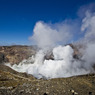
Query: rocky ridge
x: 15, y: 54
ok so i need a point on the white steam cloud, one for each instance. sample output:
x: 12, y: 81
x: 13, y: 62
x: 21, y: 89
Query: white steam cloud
x: 63, y: 63
x: 50, y: 35
x: 88, y: 26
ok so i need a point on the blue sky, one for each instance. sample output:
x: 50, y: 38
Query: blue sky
x: 18, y: 17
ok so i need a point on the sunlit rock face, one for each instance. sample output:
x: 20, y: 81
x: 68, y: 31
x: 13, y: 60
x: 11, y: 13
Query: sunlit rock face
x: 15, y: 54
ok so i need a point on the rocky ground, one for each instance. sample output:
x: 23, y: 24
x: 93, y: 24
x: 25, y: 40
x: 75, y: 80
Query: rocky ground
x: 14, y: 83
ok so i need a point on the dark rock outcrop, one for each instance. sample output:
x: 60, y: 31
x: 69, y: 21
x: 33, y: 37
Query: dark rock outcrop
x: 2, y: 57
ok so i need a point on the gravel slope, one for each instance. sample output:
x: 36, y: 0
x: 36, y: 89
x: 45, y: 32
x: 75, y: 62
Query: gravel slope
x: 14, y: 83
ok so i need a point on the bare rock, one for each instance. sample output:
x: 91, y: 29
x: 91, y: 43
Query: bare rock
x: 15, y: 54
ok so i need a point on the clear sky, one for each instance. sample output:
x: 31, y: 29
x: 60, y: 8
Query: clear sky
x: 18, y: 17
